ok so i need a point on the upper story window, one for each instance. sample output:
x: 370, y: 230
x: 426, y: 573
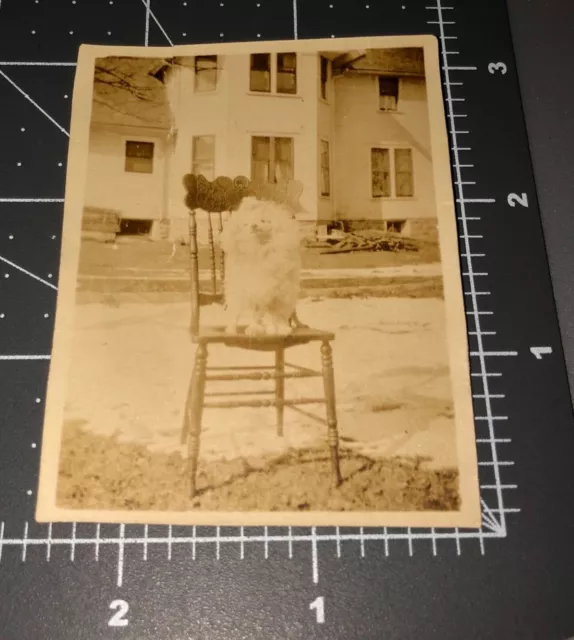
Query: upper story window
x: 287, y: 73
x: 139, y: 157
x: 205, y: 73
x: 324, y: 77
x: 273, y: 73
x: 388, y: 93
x: 260, y: 72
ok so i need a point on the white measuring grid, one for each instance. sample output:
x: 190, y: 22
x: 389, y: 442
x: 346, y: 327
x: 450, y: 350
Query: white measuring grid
x: 494, y: 512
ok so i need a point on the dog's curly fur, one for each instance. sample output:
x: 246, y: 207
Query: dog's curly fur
x: 261, y: 242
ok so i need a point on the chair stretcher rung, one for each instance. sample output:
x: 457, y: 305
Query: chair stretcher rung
x: 214, y: 394
x: 239, y: 368
x: 263, y: 375
x: 232, y: 404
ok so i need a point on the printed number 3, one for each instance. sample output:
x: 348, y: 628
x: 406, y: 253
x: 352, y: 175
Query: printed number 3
x: 118, y: 620
x: 497, y: 66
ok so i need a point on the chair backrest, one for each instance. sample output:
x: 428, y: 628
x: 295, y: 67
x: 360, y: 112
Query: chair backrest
x: 214, y: 199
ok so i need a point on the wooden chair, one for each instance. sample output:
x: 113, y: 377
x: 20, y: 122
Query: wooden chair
x: 220, y: 195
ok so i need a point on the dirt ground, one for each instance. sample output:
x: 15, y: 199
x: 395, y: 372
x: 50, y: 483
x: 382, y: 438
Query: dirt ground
x: 97, y: 258
x: 102, y: 473
x: 127, y: 387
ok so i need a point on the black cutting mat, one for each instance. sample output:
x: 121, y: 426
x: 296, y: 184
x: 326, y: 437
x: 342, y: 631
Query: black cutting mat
x: 511, y: 581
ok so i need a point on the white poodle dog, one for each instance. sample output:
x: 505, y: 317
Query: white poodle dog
x: 261, y: 241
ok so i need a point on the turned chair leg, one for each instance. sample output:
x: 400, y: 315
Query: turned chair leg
x: 329, y: 385
x: 186, y: 414
x: 280, y: 388
x: 195, y: 412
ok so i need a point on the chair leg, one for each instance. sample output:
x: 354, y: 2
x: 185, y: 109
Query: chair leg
x: 329, y: 385
x: 195, y: 412
x: 186, y: 421
x: 279, y: 388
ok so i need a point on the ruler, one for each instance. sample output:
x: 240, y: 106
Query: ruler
x: 507, y: 580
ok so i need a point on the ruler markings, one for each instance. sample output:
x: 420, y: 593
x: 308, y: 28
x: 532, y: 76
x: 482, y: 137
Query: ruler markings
x: 121, y: 546
x: 469, y: 255
x: 314, y: 556
x: 25, y: 542
x: 122, y: 542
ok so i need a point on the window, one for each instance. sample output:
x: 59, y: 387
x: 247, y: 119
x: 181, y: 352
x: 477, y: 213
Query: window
x: 325, y: 174
x: 392, y: 173
x: 287, y: 73
x: 205, y: 73
x: 277, y: 74
x: 403, y: 173
x: 260, y: 72
x: 139, y: 157
x: 271, y: 159
x: 203, y: 156
x: 388, y: 93
x: 380, y: 173
x: 395, y: 226
x: 324, y: 77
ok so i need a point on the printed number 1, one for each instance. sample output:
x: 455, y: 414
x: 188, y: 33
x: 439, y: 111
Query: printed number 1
x: 118, y: 620
x: 538, y: 352
x: 319, y: 605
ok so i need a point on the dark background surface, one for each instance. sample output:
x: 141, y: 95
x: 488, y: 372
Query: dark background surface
x: 543, y: 33
x: 522, y: 587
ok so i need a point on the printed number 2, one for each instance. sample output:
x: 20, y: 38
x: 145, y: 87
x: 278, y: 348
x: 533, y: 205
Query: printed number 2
x: 497, y: 66
x: 319, y: 605
x: 521, y: 199
x: 118, y: 620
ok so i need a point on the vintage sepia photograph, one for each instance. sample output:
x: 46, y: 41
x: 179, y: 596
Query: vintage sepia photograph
x: 260, y: 315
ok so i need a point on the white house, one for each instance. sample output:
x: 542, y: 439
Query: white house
x: 352, y: 126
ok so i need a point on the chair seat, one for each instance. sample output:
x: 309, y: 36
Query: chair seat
x: 299, y: 336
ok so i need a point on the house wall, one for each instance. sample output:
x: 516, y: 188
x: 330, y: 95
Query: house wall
x: 326, y: 131
x: 108, y: 185
x: 257, y: 114
x: 359, y: 126
x: 234, y: 114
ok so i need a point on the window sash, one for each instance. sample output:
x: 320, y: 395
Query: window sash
x: 324, y: 77
x: 287, y: 73
x: 404, y: 183
x: 205, y: 73
x: 283, y: 169
x: 392, y: 173
x: 271, y: 159
x: 260, y: 72
x: 388, y: 93
x: 139, y: 156
x: 380, y: 173
x: 203, y: 156
x: 325, y: 169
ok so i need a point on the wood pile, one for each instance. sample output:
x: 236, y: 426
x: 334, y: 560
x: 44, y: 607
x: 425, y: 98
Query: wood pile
x: 373, y: 240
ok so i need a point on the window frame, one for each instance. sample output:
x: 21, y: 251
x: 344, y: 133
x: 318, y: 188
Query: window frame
x: 391, y: 149
x: 272, y: 159
x: 195, y: 161
x: 326, y: 85
x: 378, y: 80
x: 197, y: 71
x: 273, y: 70
x: 128, y: 158
x: 323, y: 194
